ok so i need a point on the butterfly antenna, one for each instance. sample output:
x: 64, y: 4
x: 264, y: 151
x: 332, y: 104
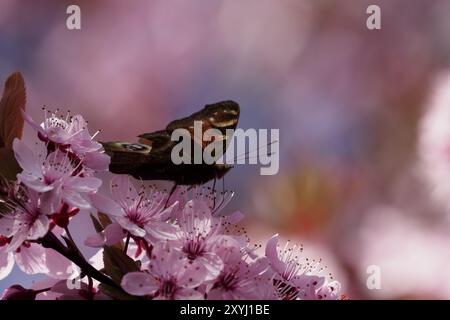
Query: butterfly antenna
x: 254, y: 150
x: 68, y: 116
x: 223, y: 184
x: 254, y: 156
x: 223, y: 192
x: 170, y: 194
x: 225, y: 198
x: 44, y: 108
x: 213, y: 191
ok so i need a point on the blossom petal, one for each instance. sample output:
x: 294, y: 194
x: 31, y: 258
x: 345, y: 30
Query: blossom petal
x: 258, y: 267
x: 31, y: 260
x: 58, y: 266
x: 131, y: 226
x: 106, y: 205
x: 112, y: 234
x: 75, y: 199
x: 97, y: 161
x: 272, y: 255
x: 85, y: 184
x: 27, y: 160
x: 39, y: 228
x: 213, y: 264
x: 50, y: 201
x: 17, y: 240
x: 192, y: 275
x: 188, y: 294
x: 33, y: 124
x: 6, y: 262
x: 161, y: 231
x: 310, y: 282
x: 97, y: 260
x: 95, y: 241
x: 329, y: 291
x: 228, y: 249
x: 122, y: 188
x: 6, y: 226
x: 34, y: 183
x: 234, y: 218
x: 167, y: 213
x: 166, y: 259
x: 139, y: 283
x: 216, y: 294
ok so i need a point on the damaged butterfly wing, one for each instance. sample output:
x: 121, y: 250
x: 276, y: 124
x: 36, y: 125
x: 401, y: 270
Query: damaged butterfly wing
x: 221, y: 115
x: 126, y: 157
x: 157, y: 140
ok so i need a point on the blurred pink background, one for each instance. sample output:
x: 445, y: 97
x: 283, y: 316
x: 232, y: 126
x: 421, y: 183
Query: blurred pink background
x: 363, y: 115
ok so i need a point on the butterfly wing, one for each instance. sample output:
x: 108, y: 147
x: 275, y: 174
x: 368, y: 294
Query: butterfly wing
x: 221, y: 116
x: 157, y: 140
x: 126, y: 157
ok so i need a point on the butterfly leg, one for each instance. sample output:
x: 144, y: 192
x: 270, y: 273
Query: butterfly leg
x: 170, y: 193
x: 223, y: 184
x: 213, y: 191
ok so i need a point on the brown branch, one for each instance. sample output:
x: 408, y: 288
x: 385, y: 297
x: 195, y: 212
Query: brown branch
x: 52, y: 242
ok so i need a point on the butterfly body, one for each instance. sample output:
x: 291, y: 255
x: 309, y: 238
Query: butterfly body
x: 150, y: 159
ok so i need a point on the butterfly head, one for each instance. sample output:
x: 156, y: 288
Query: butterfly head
x: 222, y: 169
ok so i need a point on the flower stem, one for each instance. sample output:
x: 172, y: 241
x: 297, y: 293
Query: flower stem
x: 72, y: 244
x: 127, y: 242
x: 42, y: 290
x: 52, y: 242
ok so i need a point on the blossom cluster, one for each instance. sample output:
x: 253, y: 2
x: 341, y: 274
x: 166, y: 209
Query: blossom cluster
x: 151, y: 244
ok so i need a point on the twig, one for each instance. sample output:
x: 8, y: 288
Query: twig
x: 127, y: 242
x: 51, y: 241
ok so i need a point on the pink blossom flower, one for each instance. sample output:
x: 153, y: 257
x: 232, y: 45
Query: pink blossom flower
x: 83, y: 145
x: 329, y: 291
x: 81, y: 141
x: 32, y: 258
x: 24, y: 220
x: 142, y: 215
x: 197, y: 236
x: 55, y: 177
x: 112, y: 234
x: 264, y: 288
x: 294, y: 277
x: 170, y: 276
x: 238, y: 278
x: 213, y: 200
x: 29, y: 257
x: 6, y: 258
x: 71, y: 135
x: 21, y: 222
x: 53, y: 129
